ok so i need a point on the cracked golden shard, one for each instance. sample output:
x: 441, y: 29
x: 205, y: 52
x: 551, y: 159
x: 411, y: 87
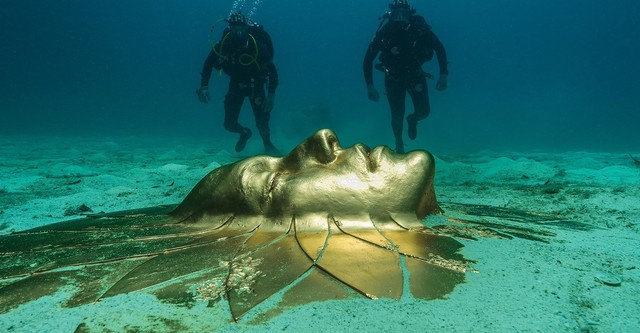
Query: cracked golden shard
x: 321, y: 217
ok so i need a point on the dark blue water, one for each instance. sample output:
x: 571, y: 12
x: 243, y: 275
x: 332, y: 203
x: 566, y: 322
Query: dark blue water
x: 523, y: 75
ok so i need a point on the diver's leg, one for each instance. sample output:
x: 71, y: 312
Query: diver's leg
x: 232, y: 106
x: 396, y: 97
x: 421, y: 108
x: 262, y: 118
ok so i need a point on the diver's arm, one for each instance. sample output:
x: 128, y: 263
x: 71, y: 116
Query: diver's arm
x: 272, y: 78
x: 442, y: 83
x: 205, y: 75
x: 207, y: 68
x: 367, y: 64
x: 272, y: 84
x: 441, y: 54
x: 268, y: 44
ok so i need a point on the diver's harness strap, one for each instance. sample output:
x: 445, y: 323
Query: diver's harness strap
x: 244, y: 59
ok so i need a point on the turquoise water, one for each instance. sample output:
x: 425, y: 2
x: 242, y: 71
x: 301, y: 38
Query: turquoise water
x: 539, y: 78
x: 536, y: 75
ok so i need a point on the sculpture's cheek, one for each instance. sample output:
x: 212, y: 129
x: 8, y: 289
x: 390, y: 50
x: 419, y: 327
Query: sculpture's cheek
x: 326, y: 195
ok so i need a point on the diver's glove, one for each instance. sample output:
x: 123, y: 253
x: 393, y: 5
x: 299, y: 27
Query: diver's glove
x: 270, y: 102
x: 373, y: 93
x: 442, y: 82
x: 203, y: 94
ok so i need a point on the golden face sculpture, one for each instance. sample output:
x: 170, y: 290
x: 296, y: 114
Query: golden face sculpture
x: 323, y: 222
x: 319, y: 177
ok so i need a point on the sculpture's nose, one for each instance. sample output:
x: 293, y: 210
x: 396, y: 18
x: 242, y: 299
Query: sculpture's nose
x: 320, y: 148
x: 323, y: 145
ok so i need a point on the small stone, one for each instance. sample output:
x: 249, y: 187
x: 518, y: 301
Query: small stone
x: 78, y: 210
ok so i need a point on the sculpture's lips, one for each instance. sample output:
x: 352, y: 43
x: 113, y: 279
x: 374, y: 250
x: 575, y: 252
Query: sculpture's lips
x: 371, y: 157
x: 375, y: 156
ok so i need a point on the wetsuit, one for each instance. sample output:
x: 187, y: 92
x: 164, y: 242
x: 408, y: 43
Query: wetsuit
x: 403, y: 49
x: 249, y: 63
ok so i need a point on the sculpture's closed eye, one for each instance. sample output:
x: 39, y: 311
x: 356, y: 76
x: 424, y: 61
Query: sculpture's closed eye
x: 274, y: 179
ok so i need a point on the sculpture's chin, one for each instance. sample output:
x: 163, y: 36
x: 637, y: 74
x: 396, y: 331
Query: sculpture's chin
x: 428, y: 204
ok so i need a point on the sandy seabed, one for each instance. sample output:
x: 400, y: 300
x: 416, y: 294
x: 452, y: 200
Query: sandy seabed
x: 520, y: 285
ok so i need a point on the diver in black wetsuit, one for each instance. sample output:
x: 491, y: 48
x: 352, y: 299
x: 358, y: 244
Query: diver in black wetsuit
x: 245, y: 53
x: 404, y: 41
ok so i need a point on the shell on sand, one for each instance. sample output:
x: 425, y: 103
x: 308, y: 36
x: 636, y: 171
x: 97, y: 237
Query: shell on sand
x: 608, y: 279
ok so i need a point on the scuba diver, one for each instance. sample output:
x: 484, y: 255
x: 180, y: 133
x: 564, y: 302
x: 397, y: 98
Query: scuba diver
x: 245, y: 53
x: 404, y: 41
